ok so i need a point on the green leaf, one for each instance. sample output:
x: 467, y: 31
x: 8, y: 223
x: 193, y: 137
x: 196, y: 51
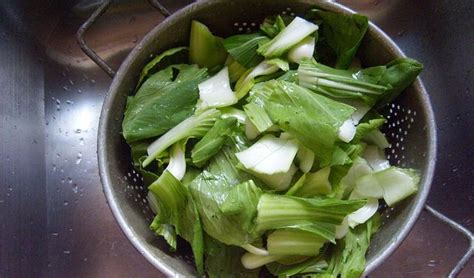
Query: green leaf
x: 205, y: 49
x: 243, y: 48
x: 258, y: 116
x: 278, y: 181
x: 342, y: 34
x: 400, y: 73
x: 309, y: 266
x: 365, y: 128
x: 347, y: 257
x: 272, y: 26
x: 341, y: 84
x: 375, y: 86
x: 395, y: 184
x: 294, y: 33
x: 212, y: 142
x: 279, y: 211
x: 289, y: 76
x: 177, y: 208
x: 166, y: 231
x: 192, y: 127
x: 210, y: 192
x: 294, y: 242
x: 315, y: 184
x: 223, y: 164
x: 224, y: 260
x: 164, y: 100
x: 158, y: 62
x: 313, y: 119
x: 236, y: 70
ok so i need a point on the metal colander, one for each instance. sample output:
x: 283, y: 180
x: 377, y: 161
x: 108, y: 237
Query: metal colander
x: 410, y: 128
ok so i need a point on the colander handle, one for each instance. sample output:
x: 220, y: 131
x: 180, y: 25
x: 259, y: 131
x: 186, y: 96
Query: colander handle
x: 95, y: 15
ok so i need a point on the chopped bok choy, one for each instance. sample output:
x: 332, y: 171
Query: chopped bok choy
x: 265, y: 150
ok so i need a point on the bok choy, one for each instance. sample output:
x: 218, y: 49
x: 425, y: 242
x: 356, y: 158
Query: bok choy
x: 265, y: 150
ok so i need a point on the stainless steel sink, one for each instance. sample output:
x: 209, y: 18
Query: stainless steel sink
x: 53, y: 214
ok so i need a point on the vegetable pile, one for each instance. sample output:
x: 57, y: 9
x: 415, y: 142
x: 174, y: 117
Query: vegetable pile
x: 265, y: 149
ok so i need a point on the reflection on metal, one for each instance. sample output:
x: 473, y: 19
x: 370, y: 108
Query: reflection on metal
x: 463, y: 261
x: 95, y: 15
x: 82, y: 43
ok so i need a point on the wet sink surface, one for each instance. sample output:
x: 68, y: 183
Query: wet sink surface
x: 53, y: 214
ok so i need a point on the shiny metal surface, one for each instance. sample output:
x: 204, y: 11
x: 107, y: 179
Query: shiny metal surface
x: 54, y: 218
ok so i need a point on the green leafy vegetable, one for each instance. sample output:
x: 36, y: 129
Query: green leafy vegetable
x: 158, y: 61
x: 341, y: 35
x: 166, y: 231
x: 395, y: 184
x: 212, y: 142
x: 258, y: 116
x: 375, y: 86
x: 236, y: 70
x: 162, y: 102
x: 304, y: 49
x: 177, y: 208
x: 289, y: 177
x: 348, y: 255
x: 205, y: 49
x: 216, y: 91
x: 400, y: 73
x: 243, y: 48
x: 224, y: 260
x: 294, y: 242
x: 271, y: 27
x: 313, y: 119
x: 308, y: 266
x: 315, y: 184
x: 210, y: 192
x: 194, y: 126
x: 339, y: 84
x: 269, y: 155
x: 294, y: 33
x: 278, y: 211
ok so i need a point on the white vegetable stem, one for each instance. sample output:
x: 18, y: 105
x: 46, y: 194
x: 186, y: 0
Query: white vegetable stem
x: 252, y: 261
x: 153, y: 202
x: 342, y: 229
x: 263, y: 68
x: 250, y: 130
x: 269, y: 155
x: 361, y: 109
x: 376, y: 158
x: 304, y: 49
x: 194, y: 126
x: 364, y: 213
x: 294, y: 33
x: 393, y: 184
x: 279, y: 181
x: 177, y: 165
x: 305, y: 158
x: 255, y: 250
x: 347, y: 131
x: 216, y: 91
